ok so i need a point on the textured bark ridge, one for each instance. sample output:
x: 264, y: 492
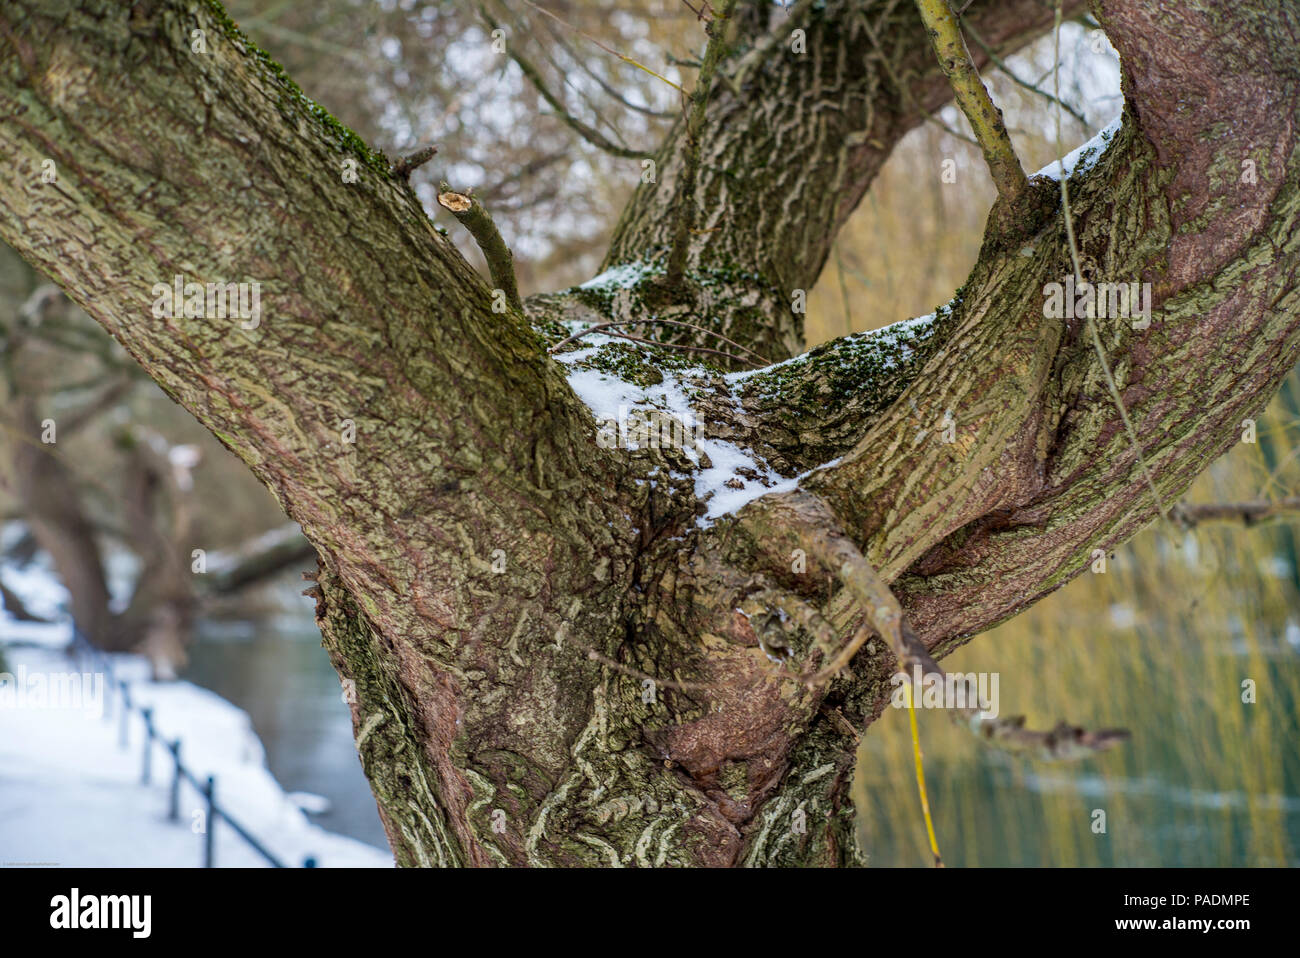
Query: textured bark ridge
x: 553, y: 655
x: 792, y: 142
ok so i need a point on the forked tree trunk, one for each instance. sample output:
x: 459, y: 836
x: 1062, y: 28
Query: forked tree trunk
x: 543, y: 648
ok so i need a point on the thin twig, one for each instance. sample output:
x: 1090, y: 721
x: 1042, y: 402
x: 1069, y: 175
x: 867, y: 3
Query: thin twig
x: 601, y: 82
x: 920, y: 778
x: 668, y: 322
x: 1253, y: 513
x: 610, y: 50
x: 693, y: 349
x: 1024, y: 84
x: 584, y: 130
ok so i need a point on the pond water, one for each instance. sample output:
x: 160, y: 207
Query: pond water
x: 1206, y: 780
x: 283, y: 679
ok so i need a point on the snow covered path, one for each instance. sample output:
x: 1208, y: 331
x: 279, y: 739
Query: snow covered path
x: 70, y: 796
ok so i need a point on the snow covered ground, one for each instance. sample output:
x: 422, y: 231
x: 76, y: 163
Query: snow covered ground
x: 70, y: 796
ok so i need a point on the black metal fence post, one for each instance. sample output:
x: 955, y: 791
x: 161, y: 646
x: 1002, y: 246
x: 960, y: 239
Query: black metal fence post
x: 147, y: 772
x: 174, y: 801
x: 126, y: 713
x: 86, y: 650
x: 210, y: 822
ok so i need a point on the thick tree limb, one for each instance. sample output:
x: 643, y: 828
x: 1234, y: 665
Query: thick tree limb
x: 787, y: 155
x: 684, y: 213
x: 12, y: 603
x: 261, y: 559
x: 408, y: 429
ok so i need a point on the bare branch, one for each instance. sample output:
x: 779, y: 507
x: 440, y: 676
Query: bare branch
x: 598, y: 327
x: 883, y: 616
x: 1254, y: 513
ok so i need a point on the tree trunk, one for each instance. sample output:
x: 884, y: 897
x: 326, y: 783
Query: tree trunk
x: 542, y: 639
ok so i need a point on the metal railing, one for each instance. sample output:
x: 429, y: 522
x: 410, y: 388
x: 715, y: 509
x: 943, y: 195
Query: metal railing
x: 206, y: 787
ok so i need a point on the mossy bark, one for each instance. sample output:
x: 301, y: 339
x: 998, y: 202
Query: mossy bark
x: 541, y: 646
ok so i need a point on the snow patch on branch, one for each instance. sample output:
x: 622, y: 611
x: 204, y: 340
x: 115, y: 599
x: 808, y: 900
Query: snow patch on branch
x: 623, y: 276
x: 1086, y: 156
x: 727, y: 476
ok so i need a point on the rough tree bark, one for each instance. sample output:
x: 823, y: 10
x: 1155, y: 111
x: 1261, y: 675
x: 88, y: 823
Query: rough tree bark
x: 53, y: 493
x: 496, y: 587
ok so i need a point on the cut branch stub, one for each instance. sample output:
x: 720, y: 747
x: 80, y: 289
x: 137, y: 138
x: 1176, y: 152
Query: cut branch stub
x: 454, y: 202
x: 475, y: 218
x: 407, y: 164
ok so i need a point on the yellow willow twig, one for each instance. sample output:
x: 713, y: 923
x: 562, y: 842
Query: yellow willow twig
x: 973, y: 98
x: 920, y: 776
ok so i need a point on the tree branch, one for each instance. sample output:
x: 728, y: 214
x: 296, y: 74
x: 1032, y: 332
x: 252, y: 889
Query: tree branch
x: 1254, y: 513
x: 474, y: 216
x: 973, y: 99
x: 792, y: 149
x: 265, y: 557
x: 883, y: 615
x: 369, y: 317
